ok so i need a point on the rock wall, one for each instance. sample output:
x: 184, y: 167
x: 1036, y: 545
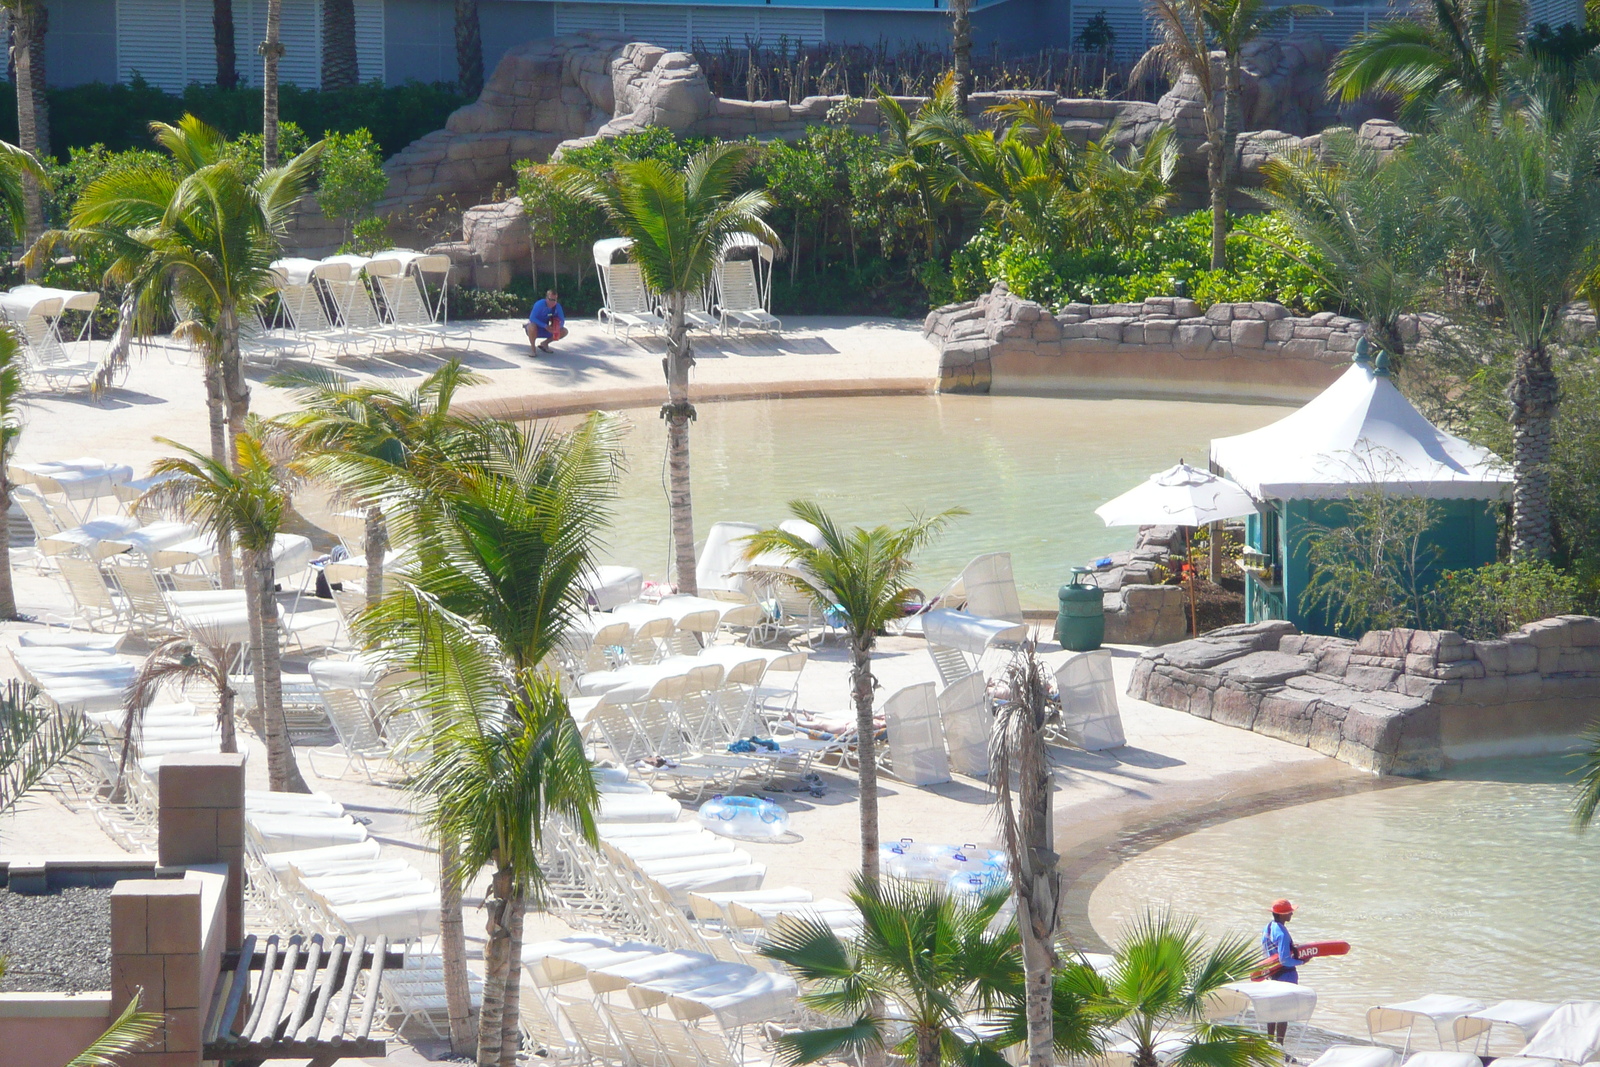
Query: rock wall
x: 1162, y: 346
x: 1138, y: 610
x: 1396, y: 701
x: 566, y: 91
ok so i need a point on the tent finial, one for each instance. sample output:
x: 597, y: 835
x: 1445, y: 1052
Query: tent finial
x: 1363, y: 356
x: 1380, y: 368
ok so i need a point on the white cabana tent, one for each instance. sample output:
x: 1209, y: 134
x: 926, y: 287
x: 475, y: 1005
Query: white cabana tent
x: 1357, y: 431
x: 1358, y: 436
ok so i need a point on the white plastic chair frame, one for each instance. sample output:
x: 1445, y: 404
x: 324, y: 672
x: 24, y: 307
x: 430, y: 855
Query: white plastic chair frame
x: 626, y: 302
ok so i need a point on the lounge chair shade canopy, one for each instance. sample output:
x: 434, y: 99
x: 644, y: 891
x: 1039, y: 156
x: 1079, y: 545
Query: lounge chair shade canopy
x: 969, y: 633
x: 1178, y: 496
x: 607, y: 248
x: 1358, y: 431
x: 1571, y: 1034
x: 737, y: 241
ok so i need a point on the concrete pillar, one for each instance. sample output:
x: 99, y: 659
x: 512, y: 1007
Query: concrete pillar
x: 202, y: 822
x: 156, y: 952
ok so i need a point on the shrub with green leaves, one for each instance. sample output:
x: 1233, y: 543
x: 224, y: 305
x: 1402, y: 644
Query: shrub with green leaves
x: 1496, y: 599
x: 352, y: 179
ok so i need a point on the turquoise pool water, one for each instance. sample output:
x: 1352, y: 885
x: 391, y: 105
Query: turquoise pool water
x: 1030, y: 470
x: 1474, y: 885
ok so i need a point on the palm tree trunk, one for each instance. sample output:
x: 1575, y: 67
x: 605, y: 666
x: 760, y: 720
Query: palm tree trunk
x: 496, y: 958
x: 235, y: 386
x: 453, y: 949
x: 1534, y: 395
x: 511, y: 1024
x: 469, y: 48
x: 258, y: 668
x: 283, y: 773
x: 225, y: 696
x: 222, y: 40
x: 271, y: 51
x: 1219, y: 161
x: 27, y: 23
x: 340, y: 68
x: 8, y: 595
x: 679, y: 413
x: 927, y: 1047
x: 1039, y: 885
x: 866, y: 751
x: 217, y: 413
x: 377, y: 543
x: 961, y: 50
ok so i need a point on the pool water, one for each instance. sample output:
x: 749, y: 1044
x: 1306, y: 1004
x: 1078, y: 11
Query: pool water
x: 1474, y: 885
x: 1030, y: 470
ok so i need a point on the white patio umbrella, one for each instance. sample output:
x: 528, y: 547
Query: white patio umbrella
x: 1180, y: 496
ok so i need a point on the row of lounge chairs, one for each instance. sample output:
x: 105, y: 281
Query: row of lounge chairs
x: 738, y: 296
x: 54, y: 360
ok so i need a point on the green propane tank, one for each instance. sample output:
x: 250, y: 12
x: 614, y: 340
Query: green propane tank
x: 1081, y: 623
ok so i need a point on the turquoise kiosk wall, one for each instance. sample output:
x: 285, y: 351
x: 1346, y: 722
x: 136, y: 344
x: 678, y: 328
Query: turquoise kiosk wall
x: 1303, y: 469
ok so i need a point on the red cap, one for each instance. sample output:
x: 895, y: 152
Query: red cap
x: 1282, y: 907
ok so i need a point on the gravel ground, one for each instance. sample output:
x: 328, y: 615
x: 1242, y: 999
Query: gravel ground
x: 57, y: 942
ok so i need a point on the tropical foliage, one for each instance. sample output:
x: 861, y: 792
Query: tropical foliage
x: 863, y: 577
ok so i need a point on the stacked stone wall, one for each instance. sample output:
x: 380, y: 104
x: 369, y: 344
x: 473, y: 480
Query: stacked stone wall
x: 1395, y: 701
x: 1160, y: 346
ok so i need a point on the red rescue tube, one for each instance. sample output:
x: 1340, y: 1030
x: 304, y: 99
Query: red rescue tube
x: 1268, y: 968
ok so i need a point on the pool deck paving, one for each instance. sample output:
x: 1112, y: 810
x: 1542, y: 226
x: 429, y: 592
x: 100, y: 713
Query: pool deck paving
x: 1173, y: 766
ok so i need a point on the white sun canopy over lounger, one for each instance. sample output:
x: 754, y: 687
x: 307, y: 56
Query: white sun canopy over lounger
x: 1359, y: 430
x: 1571, y: 1034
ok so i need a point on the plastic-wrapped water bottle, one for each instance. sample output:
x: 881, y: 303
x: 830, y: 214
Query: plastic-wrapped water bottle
x: 979, y: 880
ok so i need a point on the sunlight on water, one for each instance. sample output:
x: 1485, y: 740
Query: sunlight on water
x: 1475, y: 886
x: 1030, y: 470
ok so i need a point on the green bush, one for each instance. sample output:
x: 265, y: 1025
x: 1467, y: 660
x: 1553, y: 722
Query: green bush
x: 1265, y: 262
x: 119, y: 116
x: 1496, y: 599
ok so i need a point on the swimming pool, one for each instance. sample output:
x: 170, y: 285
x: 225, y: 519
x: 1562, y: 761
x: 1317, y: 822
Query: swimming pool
x: 1030, y: 470
x: 1474, y: 885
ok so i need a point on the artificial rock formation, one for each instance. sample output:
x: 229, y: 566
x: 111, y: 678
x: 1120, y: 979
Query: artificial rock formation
x: 1162, y: 346
x: 1396, y: 701
x: 559, y: 92
x: 1140, y: 610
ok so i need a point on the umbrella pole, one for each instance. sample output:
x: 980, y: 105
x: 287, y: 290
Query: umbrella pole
x: 1188, y: 566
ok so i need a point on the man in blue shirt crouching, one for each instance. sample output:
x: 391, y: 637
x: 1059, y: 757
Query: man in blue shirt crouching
x: 546, y: 322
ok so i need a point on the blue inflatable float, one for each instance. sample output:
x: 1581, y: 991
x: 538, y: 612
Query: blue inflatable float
x: 751, y: 818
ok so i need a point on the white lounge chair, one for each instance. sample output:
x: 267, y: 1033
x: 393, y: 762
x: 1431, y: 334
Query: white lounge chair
x: 968, y: 724
x: 916, y: 740
x: 1090, y: 717
x: 742, y: 304
x: 628, y: 304
x: 1449, y: 1017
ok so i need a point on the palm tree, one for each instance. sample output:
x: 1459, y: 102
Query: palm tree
x: 222, y: 31
x: 469, y: 48
x: 272, y: 51
x: 937, y: 957
x: 1188, y: 32
x: 340, y: 67
x: 246, y: 499
x: 680, y: 224
x: 29, y: 21
x: 912, y: 148
x: 863, y: 576
x: 501, y: 765
x: 961, y: 51
x: 195, y: 241
x: 500, y: 540
x: 1161, y: 986
x: 185, y: 660
x: 33, y: 743
x: 1458, y: 48
x: 1374, y: 229
x: 1521, y: 192
x: 1029, y: 835
x: 362, y: 435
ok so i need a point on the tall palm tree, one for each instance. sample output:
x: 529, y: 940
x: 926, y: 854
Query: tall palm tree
x: 248, y: 500
x: 864, y: 577
x: 912, y: 148
x: 29, y: 21
x: 469, y: 48
x: 1374, y: 228
x: 1520, y: 189
x: 937, y: 957
x: 1455, y: 48
x: 272, y: 52
x: 222, y: 39
x: 1188, y: 32
x: 680, y: 223
x: 500, y: 540
x: 340, y: 67
x: 500, y: 766
x: 1160, y: 988
x: 961, y: 50
x: 1029, y: 836
x: 194, y: 240
x: 363, y: 435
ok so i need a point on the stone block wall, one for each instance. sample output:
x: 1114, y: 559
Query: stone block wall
x: 1394, y: 702
x: 1162, y: 346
